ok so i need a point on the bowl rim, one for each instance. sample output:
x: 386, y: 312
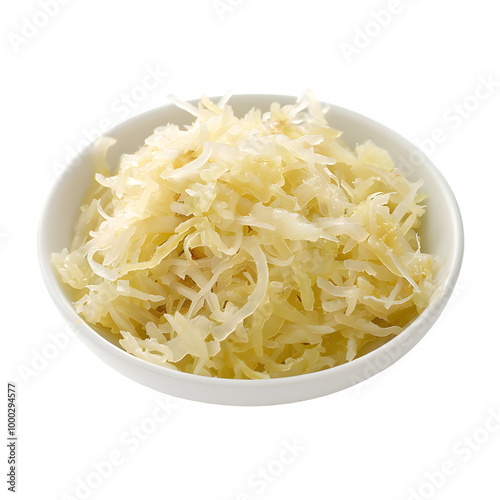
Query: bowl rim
x: 430, y: 314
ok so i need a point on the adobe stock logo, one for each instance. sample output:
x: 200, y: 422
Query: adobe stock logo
x: 463, y: 450
x: 454, y: 117
x: 42, y: 357
x: 270, y: 472
x: 461, y: 111
x: 101, y: 470
x: 152, y: 79
x: 365, y: 33
x: 32, y: 25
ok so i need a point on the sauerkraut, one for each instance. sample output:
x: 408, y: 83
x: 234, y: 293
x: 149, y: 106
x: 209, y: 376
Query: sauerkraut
x: 253, y: 247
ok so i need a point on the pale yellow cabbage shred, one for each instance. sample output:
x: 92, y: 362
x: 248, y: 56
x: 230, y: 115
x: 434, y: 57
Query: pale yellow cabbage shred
x: 258, y: 247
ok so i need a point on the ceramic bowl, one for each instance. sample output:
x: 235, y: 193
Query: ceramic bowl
x: 441, y: 234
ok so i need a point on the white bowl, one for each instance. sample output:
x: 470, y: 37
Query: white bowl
x: 442, y: 235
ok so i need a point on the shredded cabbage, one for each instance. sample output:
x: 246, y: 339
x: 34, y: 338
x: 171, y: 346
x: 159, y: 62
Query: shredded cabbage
x: 252, y: 247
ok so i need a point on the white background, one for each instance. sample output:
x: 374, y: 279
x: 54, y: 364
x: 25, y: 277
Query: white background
x: 376, y: 441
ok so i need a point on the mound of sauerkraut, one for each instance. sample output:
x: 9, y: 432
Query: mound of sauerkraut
x: 249, y: 247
